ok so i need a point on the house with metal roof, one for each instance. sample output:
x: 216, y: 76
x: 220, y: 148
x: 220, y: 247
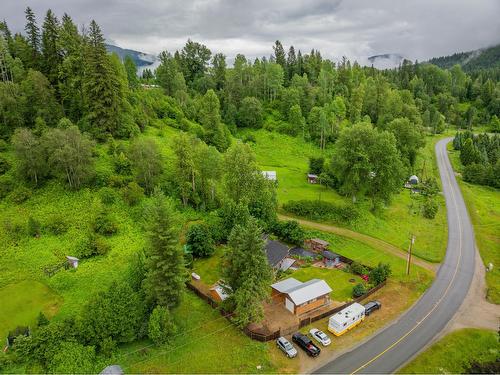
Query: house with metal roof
x: 270, y: 175
x: 277, y: 255
x: 301, y: 297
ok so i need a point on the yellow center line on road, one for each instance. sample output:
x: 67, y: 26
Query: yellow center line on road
x: 445, y: 292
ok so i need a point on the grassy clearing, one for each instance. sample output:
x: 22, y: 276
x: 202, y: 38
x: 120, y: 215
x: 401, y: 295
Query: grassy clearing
x: 483, y: 204
x: 337, y: 280
x: 22, y: 302
x: 289, y: 157
x: 419, y: 278
x: 205, y: 343
x: 210, y: 269
x: 454, y: 353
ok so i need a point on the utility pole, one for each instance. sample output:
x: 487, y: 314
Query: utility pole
x: 412, y: 241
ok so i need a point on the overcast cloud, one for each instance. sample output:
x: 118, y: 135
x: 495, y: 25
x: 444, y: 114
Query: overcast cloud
x: 416, y: 29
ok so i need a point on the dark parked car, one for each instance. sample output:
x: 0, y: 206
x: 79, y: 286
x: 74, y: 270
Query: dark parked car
x: 372, y: 306
x: 306, y: 344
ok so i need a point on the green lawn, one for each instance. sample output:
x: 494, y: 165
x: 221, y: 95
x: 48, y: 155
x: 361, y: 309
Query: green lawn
x: 210, y: 268
x: 289, y: 157
x: 454, y: 353
x: 205, y: 343
x: 483, y: 204
x: 419, y: 278
x: 337, y: 280
x: 22, y: 302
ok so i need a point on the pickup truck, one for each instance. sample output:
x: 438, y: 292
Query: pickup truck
x: 306, y: 344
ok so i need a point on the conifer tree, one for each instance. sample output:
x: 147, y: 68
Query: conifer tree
x: 33, y: 38
x: 51, y: 56
x: 165, y: 273
x: 101, y: 86
x: 247, y: 273
x: 215, y: 132
x: 131, y: 69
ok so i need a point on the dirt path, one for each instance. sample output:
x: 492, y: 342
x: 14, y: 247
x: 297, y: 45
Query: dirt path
x: 372, y: 241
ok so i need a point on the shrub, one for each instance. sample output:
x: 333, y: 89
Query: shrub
x: 358, y: 268
x: 41, y: 320
x: 108, y: 195
x: 6, y: 186
x: 250, y: 113
x: 200, y: 241
x: 105, y: 224
x: 249, y: 138
x: 33, y: 227
x: 290, y: 231
x: 122, y: 164
x: 133, y: 193
x: 118, y: 181
x: 380, y: 273
x: 320, y: 210
x: 316, y: 165
x: 4, y: 165
x: 3, y: 145
x: 57, y: 224
x: 91, y: 246
x: 430, y: 208
x: 161, y: 325
x: 358, y: 290
x: 20, y: 194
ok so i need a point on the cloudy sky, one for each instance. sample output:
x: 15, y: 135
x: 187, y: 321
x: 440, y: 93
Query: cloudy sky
x: 416, y: 29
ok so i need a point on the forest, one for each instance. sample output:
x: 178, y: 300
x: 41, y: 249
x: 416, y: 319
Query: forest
x: 69, y: 110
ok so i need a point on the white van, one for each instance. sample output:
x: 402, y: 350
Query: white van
x: 346, y: 319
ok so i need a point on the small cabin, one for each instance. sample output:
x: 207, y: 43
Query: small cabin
x: 312, y: 178
x: 330, y: 259
x: 299, y: 297
x: 218, y: 292
x: 72, y: 261
x: 316, y: 244
x: 346, y: 319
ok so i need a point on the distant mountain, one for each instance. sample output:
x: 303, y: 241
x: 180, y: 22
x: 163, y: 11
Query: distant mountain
x: 386, y: 60
x: 141, y: 59
x: 484, y: 58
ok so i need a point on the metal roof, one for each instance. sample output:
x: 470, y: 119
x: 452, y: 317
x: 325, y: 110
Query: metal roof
x: 310, y: 175
x: 309, y: 290
x: 329, y: 255
x: 301, y: 252
x: 284, y: 285
x: 276, y: 251
x: 286, y: 263
x: 112, y: 370
x: 220, y: 291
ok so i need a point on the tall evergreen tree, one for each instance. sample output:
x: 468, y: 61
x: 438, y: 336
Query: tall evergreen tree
x: 165, y: 273
x: 219, y: 70
x: 33, y: 38
x: 131, y: 70
x: 247, y: 272
x: 101, y: 86
x: 215, y: 131
x: 279, y: 54
x: 51, y: 55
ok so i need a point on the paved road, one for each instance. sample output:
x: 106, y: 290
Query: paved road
x: 371, y: 241
x: 394, y: 346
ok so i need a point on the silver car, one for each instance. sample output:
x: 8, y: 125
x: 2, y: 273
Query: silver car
x: 286, y: 347
x: 321, y: 337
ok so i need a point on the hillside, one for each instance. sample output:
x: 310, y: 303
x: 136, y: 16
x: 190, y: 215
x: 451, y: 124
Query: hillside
x: 485, y: 58
x: 141, y: 59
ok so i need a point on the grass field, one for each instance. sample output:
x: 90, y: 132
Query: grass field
x: 210, y: 269
x: 205, y: 343
x: 483, y: 204
x: 289, y: 156
x: 337, y: 280
x: 22, y: 302
x: 453, y: 353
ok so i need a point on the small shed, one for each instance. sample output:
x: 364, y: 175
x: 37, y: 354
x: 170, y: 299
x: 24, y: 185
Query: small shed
x: 413, y: 180
x: 316, y: 244
x: 270, y: 175
x: 300, y: 252
x: 218, y: 292
x: 72, y: 261
x: 276, y: 253
x: 330, y: 259
x: 312, y: 178
x: 300, y: 297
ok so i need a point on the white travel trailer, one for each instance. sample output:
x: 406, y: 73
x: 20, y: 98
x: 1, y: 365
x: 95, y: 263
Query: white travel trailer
x: 346, y: 319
